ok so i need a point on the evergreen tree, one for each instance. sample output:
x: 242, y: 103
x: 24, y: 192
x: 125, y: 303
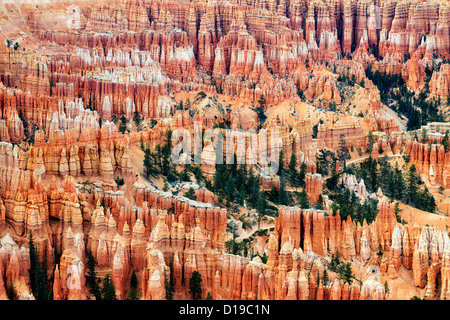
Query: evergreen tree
x: 282, y: 195
x: 38, y: 273
x: 190, y: 194
x: 380, y: 251
x: 293, y: 173
x: 344, y: 271
x: 157, y: 157
x: 165, y: 154
x: 386, y: 177
x: 148, y: 163
x: 280, y: 162
x: 11, y: 293
x: 335, y: 261
x: 123, y: 124
x: 386, y: 287
x: 260, y: 111
x: 195, y: 285
x: 273, y: 193
x: 369, y: 142
x: 425, y: 201
x: 343, y: 153
x: 132, y: 294
x: 185, y: 176
x: 397, y: 211
x: 252, y: 187
x: 399, y: 183
x: 198, y: 174
x: 373, y: 177
x: 424, y: 135
x: 91, y: 277
x: 108, y: 290
x: 319, y: 203
x: 32, y: 270
x: 56, y: 259
x: 138, y: 120
x: 209, y: 296
x: 445, y: 142
x: 411, y: 185
x: 119, y: 181
x: 302, y: 175
x: 325, y: 277
x: 169, y: 288
x: 300, y: 94
x: 303, y: 200
x: 261, y: 205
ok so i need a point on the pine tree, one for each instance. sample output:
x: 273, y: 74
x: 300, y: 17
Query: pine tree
x: 302, y: 175
x: 185, y: 176
x: 209, y: 296
x: 148, y: 163
x: 32, y: 270
x: 132, y: 294
x: 445, y: 141
x: 169, y: 288
x: 343, y: 152
x: 91, y: 277
x: 260, y: 111
x: 411, y: 185
x: 165, y: 165
x: 198, y: 174
x: 399, y: 183
x: 325, y: 277
x: 108, y: 290
x: 38, y: 273
x: 138, y: 120
x: 11, y: 293
x: 319, y: 203
x: 261, y: 205
x: 280, y: 162
x: 273, y: 193
x: 133, y: 280
x: 386, y: 287
x: 190, y: 194
x: 282, y: 195
x: 344, y: 271
x: 424, y: 135
x: 56, y: 259
x: 157, y: 157
x: 380, y: 251
x: 369, y: 142
x: 195, y: 285
x: 123, y: 124
x: 425, y: 201
x: 397, y: 211
x: 373, y: 174
x: 293, y: 173
x: 303, y: 200
x: 335, y: 261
